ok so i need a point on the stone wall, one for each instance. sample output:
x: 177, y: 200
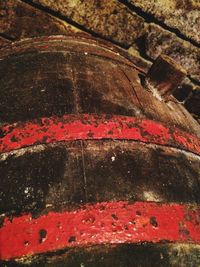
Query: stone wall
x: 145, y: 28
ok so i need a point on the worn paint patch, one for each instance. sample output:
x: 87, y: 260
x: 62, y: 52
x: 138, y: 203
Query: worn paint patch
x: 101, y: 223
x: 93, y: 127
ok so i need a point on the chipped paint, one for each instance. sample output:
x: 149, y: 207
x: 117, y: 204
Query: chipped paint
x: 152, y: 196
x: 101, y: 223
x: 94, y: 127
x: 21, y: 152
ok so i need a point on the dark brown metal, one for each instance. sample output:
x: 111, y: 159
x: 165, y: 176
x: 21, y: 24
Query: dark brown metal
x: 80, y: 135
x: 164, y: 76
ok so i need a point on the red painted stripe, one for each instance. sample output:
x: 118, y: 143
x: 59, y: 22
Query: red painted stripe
x: 102, y: 223
x: 82, y: 127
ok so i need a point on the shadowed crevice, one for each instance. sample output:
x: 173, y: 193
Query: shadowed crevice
x: 72, y: 22
x: 6, y: 37
x: 149, y: 18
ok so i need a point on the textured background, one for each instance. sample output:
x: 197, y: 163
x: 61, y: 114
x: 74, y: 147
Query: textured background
x: 145, y: 28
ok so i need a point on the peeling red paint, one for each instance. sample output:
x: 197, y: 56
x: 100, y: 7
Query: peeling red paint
x: 83, y: 127
x: 155, y: 129
x: 101, y: 223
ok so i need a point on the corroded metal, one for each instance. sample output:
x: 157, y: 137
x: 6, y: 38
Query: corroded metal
x: 82, y: 141
x: 164, y: 76
x: 102, y: 223
x: 94, y: 127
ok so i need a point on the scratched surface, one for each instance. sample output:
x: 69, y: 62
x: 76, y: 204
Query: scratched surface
x: 95, y: 171
x: 66, y: 174
x: 85, y: 75
x: 83, y: 127
x: 102, y: 223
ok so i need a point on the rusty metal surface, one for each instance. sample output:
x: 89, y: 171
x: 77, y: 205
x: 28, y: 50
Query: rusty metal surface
x: 94, y: 127
x: 66, y: 174
x: 129, y: 255
x: 164, y: 76
x: 86, y: 77
x: 102, y: 223
x: 78, y: 43
x: 79, y: 132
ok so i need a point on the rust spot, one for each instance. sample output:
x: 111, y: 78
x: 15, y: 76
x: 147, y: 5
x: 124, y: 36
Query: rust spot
x: 133, y: 221
x: 90, y: 134
x: 13, y: 139
x: 26, y: 243
x: 126, y: 227
x: 110, y: 132
x: 102, y: 207
x: 153, y: 222
x: 114, y: 217
x: 72, y: 239
x: 42, y: 235
x: 144, y: 225
x: 184, y: 231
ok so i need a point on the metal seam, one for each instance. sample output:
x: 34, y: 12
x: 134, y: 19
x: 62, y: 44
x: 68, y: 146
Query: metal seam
x: 94, y: 127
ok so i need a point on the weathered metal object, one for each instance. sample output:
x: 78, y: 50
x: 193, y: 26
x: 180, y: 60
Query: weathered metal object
x: 164, y: 76
x: 95, y: 170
